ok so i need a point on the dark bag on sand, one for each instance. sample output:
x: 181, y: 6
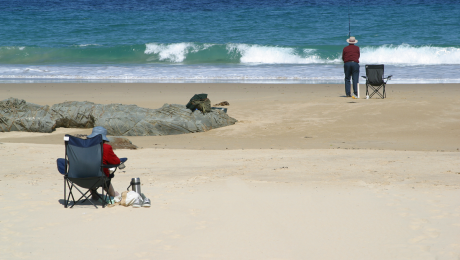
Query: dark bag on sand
x: 200, y: 102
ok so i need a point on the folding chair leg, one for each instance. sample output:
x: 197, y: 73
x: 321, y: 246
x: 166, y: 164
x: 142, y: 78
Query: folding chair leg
x: 104, y: 200
x: 83, y: 195
x: 67, y: 197
x: 376, y: 90
x: 79, y: 199
x: 70, y: 194
x: 65, y: 201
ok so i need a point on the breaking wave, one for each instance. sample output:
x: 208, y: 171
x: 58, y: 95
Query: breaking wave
x: 231, y: 53
x: 406, y: 54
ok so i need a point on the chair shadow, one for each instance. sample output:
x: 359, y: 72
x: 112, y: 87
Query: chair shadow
x: 86, y: 203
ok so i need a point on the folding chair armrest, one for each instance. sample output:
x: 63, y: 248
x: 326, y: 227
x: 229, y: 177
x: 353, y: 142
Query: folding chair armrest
x: 61, y: 165
x: 114, y: 166
x: 122, y: 160
x: 387, y: 78
x: 110, y: 165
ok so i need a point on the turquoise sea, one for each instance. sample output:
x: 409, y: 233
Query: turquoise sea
x: 270, y: 41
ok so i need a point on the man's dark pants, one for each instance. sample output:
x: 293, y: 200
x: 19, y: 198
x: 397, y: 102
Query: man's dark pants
x: 351, y: 70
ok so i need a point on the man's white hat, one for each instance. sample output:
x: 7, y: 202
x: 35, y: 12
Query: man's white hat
x: 352, y: 40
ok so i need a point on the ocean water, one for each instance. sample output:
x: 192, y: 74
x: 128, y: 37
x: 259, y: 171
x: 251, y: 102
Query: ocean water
x: 251, y: 41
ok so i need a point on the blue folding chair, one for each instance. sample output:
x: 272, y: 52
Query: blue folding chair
x: 82, y: 167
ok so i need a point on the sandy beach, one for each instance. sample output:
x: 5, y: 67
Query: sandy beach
x: 305, y: 173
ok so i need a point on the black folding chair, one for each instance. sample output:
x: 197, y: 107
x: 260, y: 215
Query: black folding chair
x: 375, y: 80
x: 82, y: 167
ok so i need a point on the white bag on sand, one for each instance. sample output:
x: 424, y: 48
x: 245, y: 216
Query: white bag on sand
x: 128, y: 198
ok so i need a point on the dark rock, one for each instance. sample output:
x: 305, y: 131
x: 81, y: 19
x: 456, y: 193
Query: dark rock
x: 120, y: 142
x: 223, y: 103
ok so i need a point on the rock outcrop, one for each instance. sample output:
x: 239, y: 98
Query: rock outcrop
x: 18, y: 115
x: 118, y: 119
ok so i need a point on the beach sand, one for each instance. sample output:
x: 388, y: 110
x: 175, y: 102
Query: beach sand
x: 305, y: 173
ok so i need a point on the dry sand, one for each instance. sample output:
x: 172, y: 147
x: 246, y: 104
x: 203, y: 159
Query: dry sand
x: 305, y: 174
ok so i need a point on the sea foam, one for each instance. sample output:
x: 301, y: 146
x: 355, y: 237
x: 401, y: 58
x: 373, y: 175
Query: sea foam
x: 174, y: 52
x: 406, y: 54
x: 273, y: 54
x: 403, y: 54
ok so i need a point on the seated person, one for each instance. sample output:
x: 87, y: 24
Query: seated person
x: 108, y: 157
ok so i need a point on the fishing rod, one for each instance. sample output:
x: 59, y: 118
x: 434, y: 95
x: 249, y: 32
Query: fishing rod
x: 349, y: 19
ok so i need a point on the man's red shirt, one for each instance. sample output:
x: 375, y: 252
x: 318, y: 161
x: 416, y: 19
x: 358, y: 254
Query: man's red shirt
x: 109, y: 157
x: 351, y: 53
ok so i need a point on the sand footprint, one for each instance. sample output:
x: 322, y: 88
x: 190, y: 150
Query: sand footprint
x: 155, y: 242
x: 141, y: 254
x: 168, y: 232
x: 417, y: 223
x: 418, y: 239
x: 432, y: 232
x: 442, y: 215
x: 193, y: 212
x: 38, y: 228
x: 167, y: 247
x: 201, y: 225
x: 404, y: 214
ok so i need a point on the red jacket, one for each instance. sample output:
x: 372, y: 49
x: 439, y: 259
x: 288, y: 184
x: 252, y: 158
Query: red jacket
x: 351, y: 53
x: 109, y: 157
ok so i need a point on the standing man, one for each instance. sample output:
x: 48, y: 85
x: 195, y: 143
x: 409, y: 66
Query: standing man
x: 350, y: 57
